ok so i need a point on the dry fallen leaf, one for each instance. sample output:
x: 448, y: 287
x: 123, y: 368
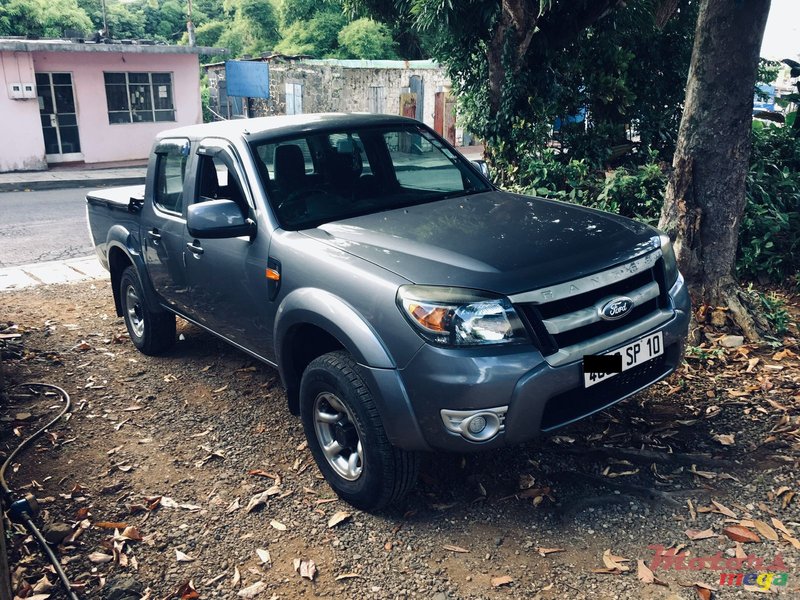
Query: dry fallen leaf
x: 502, y: 580
x: 261, y: 499
x: 740, y: 534
x: 278, y: 525
x: 337, y: 518
x: 765, y: 530
x: 615, y: 562
x: 694, y: 534
x: 110, y: 525
x: 692, y: 511
x: 100, y: 558
x: 344, y: 576
x: 453, y: 548
x: 264, y: 556
x: 726, y: 439
x: 251, y: 591
x: 546, y: 551
x: 645, y: 575
x: 186, y: 592
x: 237, y: 577
x: 723, y: 510
x: 306, y: 568
x: 780, y: 526
x: 182, y: 557
x: 233, y: 507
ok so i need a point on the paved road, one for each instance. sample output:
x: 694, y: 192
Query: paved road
x: 43, y: 226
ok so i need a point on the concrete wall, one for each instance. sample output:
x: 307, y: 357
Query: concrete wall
x: 21, y: 141
x: 101, y: 141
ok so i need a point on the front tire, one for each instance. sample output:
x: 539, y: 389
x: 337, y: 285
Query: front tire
x: 346, y: 436
x: 152, y: 332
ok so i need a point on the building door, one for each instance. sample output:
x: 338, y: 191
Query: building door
x: 294, y: 98
x: 59, y: 117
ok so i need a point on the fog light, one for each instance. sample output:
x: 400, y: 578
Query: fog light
x: 476, y: 424
x: 479, y: 425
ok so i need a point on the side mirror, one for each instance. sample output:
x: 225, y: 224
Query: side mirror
x: 216, y: 219
x: 482, y: 167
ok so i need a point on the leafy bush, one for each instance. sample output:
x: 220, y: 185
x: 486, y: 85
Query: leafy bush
x: 636, y: 192
x: 365, y: 38
x: 769, y: 235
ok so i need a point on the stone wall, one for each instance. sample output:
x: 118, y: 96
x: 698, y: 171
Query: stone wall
x: 341, y: 86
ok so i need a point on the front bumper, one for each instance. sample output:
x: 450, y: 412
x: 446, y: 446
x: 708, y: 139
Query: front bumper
x: 539, y: 397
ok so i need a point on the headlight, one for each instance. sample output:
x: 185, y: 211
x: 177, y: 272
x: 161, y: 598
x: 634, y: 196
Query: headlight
x: 459, y: 317
x: 670, y: 264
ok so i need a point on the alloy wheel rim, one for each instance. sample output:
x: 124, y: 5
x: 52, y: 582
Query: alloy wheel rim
x: 133, y: 306
x: 338, y: 436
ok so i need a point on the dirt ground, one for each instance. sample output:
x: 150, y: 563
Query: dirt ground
x: 157, y: 465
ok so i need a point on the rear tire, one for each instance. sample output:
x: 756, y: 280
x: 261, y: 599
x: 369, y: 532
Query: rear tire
x: 152, y: 332
x: 346, y: 436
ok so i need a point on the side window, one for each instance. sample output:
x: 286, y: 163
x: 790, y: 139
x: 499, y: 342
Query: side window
x: 219, y: 182
x: 170, y: 174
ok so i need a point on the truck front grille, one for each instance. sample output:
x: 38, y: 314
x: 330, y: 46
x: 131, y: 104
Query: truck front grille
x: 565, y: 319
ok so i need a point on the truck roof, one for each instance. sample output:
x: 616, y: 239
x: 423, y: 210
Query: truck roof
x: 282, y: 124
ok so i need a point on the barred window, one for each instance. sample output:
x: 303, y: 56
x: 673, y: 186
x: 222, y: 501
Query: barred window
x: 139, y: 97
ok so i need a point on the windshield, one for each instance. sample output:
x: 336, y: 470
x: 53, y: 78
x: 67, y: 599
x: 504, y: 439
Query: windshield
x: 321, y: 177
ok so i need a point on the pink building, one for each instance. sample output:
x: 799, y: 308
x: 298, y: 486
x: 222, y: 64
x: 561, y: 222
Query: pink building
x: 81, y: 102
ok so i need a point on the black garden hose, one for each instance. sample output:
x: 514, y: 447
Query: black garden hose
x: 20, y: 510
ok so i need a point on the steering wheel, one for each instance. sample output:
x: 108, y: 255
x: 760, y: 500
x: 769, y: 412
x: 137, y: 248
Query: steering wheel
x: 296, y: 204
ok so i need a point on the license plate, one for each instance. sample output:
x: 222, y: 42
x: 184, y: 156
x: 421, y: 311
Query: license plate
x: 633, y: 354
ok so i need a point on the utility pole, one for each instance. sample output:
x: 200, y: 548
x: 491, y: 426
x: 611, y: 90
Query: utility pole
x: 105, y: 22
x: 190, y: 26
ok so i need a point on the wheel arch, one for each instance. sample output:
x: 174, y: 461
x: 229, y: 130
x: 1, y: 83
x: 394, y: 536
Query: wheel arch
x: 312, y: 322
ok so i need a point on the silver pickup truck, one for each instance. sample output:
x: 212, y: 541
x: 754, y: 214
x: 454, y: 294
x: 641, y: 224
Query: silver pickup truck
x: 408, y: 304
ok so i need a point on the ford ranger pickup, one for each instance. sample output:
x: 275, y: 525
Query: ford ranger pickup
x: 408, y: 304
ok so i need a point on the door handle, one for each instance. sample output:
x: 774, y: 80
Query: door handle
x: 154, y: 235
x: 195, y: 249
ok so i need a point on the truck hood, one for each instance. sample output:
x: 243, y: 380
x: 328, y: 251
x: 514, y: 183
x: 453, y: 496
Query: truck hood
x: 497, y: 241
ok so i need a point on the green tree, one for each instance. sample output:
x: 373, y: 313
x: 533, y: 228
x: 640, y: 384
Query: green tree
x: 42, y: 18
x: 365, y: 38
x: 292, y: 11
x: 209, y: 33
x: 317, y: 37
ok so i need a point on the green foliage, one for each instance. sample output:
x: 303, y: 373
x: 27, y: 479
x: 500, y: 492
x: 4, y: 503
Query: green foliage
x: 636, y: 191
x: 769, y: 235
x: 774, y: 310
x: 42, y: 18
x: 767, y: 73
x: 317, y: 37
x: 365, y: 38
x: 294, y: 11
x: 208, y: 33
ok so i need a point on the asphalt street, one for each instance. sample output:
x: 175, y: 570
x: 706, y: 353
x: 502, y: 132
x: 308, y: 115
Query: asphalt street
x: 40, y: 226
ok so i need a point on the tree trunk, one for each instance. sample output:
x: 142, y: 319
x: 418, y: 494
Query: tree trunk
x: 706, y: 194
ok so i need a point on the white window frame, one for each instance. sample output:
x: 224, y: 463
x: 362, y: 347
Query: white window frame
x: 153, y: 108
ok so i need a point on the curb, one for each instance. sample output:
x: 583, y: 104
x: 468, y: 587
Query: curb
x: 61, y: 184
x: 71, y: 270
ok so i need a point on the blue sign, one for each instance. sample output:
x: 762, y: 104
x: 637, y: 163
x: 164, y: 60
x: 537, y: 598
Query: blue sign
x: 247, y: 78
x: 769, y: 103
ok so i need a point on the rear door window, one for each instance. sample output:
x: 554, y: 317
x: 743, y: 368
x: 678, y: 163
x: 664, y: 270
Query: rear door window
x: 170, y: 175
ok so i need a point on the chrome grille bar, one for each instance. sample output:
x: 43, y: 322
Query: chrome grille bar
x: 591, y: 314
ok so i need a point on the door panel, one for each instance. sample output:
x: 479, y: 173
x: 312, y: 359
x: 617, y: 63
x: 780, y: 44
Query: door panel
x: 227, y: 281
x: 163, y: 225
x: 59, y: 116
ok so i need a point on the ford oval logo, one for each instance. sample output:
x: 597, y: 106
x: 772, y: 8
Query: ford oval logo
x: 616, y: 308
